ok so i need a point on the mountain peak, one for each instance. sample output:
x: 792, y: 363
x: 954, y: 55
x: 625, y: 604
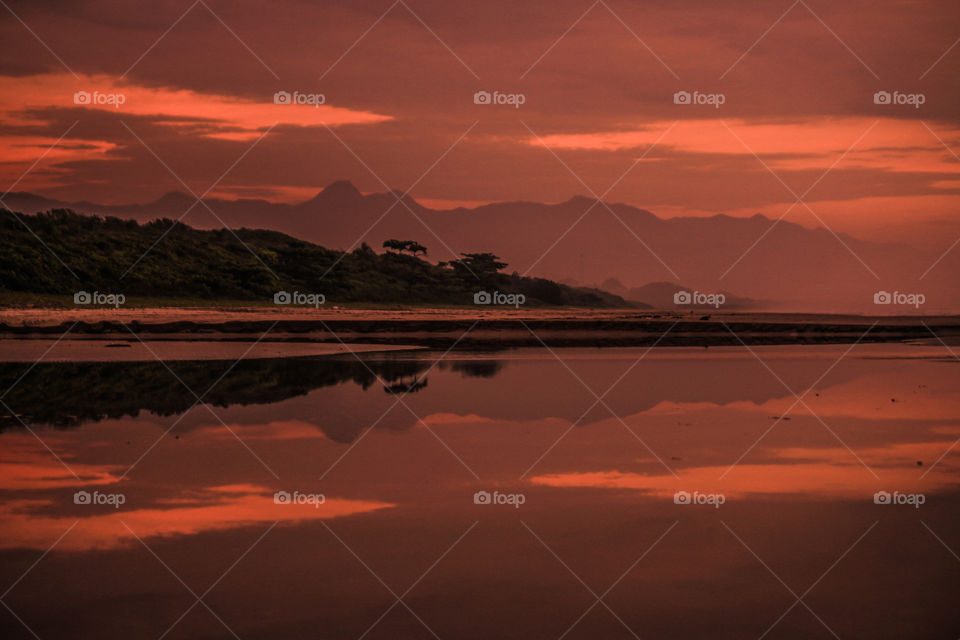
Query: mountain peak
x: 174, y: 198
x: 580, y: 200
x: 341, y: 190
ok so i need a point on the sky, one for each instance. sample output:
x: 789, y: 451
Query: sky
x: 684, y: 108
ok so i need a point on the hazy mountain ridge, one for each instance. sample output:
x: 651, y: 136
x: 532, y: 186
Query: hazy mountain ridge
x: 782, y: 262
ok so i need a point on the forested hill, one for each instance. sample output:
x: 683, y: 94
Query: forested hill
x: 153, y: 260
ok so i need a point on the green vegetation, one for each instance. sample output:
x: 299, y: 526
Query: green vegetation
x: 115, y: 256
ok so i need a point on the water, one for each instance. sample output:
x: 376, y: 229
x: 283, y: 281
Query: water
x: 787, y: 543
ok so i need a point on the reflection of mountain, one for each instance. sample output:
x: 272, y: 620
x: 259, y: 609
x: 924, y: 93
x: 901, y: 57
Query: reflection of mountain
x: 68, y: 394
x: 261, y: 391
x: 65, y: 394
x: 790, y: 264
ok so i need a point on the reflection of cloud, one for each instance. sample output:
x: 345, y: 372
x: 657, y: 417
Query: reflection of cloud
x: 212, y: 509
x: 833, y: 473
x: 26, y: 465
x: 874, y: 396
x: 273, y: 431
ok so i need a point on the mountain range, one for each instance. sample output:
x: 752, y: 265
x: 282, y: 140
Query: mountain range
x: 787, y: 266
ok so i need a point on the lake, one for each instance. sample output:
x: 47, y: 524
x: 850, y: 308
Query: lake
x: 778, y: 492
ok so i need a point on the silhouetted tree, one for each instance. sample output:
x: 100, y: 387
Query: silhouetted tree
x: 395, y: 245
x: 402, y: 246
x: 480, y: 268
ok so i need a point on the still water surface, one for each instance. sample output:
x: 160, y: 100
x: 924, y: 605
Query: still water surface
x: 188, y: 540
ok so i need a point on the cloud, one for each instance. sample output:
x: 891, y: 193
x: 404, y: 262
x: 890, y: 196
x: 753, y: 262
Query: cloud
x: 218, y: 115
x: 807, y: 143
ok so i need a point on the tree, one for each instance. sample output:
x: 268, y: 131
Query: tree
x: 400, y: 246
x: 483, y: 268
x: 395, y: 245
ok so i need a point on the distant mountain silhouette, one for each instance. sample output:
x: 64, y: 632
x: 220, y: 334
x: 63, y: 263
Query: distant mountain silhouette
x: 791, y: 266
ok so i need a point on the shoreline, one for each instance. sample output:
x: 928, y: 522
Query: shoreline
x: 471, y: 328
x: 132, y: 350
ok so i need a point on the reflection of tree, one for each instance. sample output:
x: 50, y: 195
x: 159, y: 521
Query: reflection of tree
x: 404, y: 387
x: 68, y: 394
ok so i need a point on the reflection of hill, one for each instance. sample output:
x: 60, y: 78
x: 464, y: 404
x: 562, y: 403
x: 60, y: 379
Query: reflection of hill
x: 68, y: 394
x: 261, y: 391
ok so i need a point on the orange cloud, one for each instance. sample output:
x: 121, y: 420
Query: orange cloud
x: 891, y: 144
x: 225, y: 116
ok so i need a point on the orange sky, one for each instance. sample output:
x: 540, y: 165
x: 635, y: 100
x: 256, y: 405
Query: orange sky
x: 797, y: 112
